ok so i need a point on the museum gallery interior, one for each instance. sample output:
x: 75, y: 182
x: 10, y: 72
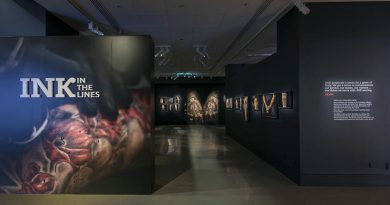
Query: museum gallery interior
x: 194, y: 102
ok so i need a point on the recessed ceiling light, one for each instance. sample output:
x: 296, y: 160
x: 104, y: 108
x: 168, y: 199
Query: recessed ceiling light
x: 259, y: 54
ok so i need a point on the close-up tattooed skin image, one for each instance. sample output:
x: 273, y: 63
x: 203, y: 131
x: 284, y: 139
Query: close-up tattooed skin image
x: 71, y: 149
x: 72, y: 145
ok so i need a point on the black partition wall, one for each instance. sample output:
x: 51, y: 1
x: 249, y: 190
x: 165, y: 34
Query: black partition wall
x: 334, y: 62
x: 76, y: 115
x: 275, y: 140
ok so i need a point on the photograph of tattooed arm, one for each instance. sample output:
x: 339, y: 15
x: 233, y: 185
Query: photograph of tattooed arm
x: 77, y: 141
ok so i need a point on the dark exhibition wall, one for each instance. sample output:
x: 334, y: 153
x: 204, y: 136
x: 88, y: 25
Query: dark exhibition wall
x: 344, y: 81
x: 185, y: 103
x: 23, y: 22
x: 334, y: 63
x: 76, y: 115
x: 56, y: 27
x: 275, y: 140
x: 27, y: 18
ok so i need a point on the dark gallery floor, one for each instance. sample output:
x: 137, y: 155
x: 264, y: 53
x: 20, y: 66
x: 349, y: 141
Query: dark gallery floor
x: 200, y: 165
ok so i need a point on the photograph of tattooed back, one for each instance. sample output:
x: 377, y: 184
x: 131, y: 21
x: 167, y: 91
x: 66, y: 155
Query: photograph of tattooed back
x: 76, y: 115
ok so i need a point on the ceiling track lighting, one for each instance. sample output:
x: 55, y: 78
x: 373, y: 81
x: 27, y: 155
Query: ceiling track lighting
x: 185, y: 75
x: 259, y: 54
x: 164, y: 55
x: 94, y: 29
x: 12, y: 60
x: 201, y: 55
x: 107, y: 15
x: 266, y: 51
x: 159, y: 52
x: 202, y: 51
x: 166, y: 60
x: 301, y: 7
x: 93, y: 22
x: 175, y: 76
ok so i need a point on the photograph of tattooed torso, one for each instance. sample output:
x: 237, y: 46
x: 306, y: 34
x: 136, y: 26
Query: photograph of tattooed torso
x: 73, y: 145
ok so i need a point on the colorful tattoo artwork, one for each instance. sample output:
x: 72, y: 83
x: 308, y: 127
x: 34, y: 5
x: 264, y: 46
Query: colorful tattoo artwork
x: 71, y: 149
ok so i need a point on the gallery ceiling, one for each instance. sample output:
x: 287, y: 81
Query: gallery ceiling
x: 200, y: 36
x: 233, y: 31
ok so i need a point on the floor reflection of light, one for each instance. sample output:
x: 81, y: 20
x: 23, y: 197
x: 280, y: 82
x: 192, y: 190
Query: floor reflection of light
x: 225, y: 173
x: 171, y: 146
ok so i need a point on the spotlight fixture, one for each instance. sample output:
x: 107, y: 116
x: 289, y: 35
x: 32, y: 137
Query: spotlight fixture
x: 94, y: 29
x: 201, y: 55
x: 183, y: 75
x: 188, y: 75
x: 301, y: 7
x: 259, y: 54
x: 267, y: 50
x: 164, y: 55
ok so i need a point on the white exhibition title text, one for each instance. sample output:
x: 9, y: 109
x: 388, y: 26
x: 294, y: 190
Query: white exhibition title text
x: 57, y: 88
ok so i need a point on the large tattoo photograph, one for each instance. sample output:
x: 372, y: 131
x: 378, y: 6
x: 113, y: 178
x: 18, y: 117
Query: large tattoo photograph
x: 96, y: 142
